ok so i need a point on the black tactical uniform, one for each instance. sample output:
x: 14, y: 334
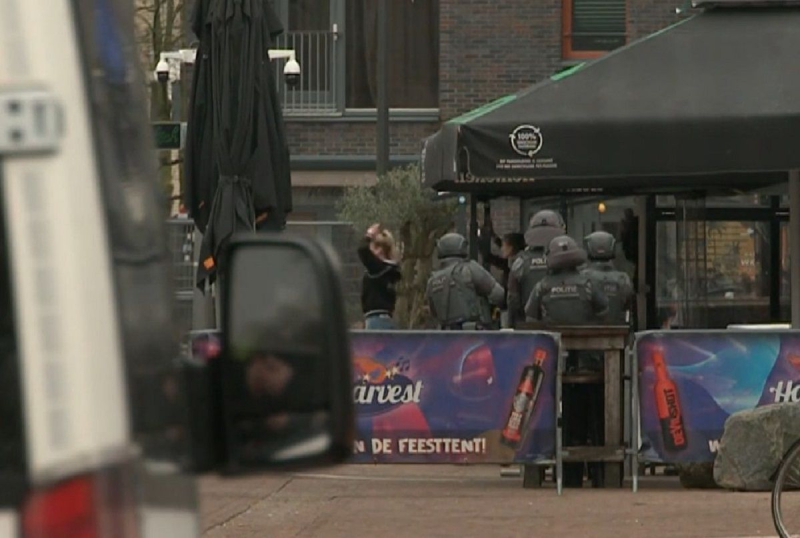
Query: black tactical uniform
x: 460, y: 291
x: 615, y: 284
x: 530, y: 266
x: 566, y: 296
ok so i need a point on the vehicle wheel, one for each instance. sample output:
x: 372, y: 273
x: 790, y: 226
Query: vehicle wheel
x: 786, y: 494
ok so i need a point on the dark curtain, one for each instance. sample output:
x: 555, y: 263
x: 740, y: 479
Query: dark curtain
x: 309, y: 15
x: 413, y: 53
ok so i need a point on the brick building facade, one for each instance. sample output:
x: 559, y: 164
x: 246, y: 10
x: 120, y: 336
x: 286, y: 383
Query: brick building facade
x: 486, y: 49
x: 446, y: 57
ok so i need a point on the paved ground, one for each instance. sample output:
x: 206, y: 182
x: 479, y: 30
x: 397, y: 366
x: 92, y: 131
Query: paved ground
x: 430, y: 501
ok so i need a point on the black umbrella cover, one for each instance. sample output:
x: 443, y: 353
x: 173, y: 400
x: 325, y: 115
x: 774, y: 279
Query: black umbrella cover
x: 236, y: 126
x: 232, y: 211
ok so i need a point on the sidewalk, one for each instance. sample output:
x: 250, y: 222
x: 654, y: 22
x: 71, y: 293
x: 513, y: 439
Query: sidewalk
x: 427, y: 501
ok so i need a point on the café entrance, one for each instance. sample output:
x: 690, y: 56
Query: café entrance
x: 717, y: 261
x: 709, y: 261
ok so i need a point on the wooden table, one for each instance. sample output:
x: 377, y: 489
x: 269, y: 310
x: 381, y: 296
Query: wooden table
x: 611, y: 341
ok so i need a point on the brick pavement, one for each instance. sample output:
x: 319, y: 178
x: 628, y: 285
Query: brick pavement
x: 418, y: 501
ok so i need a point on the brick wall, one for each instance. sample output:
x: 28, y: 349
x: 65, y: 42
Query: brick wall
x: 648, y: 16
x: 488, y: 49
x: 491, y: 48
x: 353, y: 138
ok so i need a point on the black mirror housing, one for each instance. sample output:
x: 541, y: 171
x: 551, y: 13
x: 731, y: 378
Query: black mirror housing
x: 284, y: 376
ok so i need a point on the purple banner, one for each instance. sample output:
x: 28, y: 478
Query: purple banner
x: 690, y: 382
x: 446, y: 397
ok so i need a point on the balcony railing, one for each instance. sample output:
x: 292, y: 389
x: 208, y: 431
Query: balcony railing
x: 317, y: 92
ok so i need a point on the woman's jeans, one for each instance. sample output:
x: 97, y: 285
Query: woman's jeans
x: 379, y: 321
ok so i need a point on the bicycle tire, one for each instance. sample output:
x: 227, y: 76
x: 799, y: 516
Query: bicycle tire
x: 790, y: 459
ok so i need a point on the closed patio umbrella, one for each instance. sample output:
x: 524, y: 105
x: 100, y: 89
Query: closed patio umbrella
x: 237, y: 156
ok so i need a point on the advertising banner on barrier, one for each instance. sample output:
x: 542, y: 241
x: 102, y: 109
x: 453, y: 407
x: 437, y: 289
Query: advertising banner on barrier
x: 445, y: 397
x: 690, y: 382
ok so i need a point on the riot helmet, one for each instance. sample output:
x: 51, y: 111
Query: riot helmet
x: 452, y: 245
x: 564, y: 253
x: 544, y: 226
x: 599, y: 245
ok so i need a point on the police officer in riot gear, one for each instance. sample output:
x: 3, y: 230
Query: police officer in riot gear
x: 615, y: 284
x: 530, y: 266
x: 459, y: 292
x: 567, y: 296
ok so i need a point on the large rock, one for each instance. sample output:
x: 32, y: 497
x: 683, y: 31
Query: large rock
x: 753, y: 444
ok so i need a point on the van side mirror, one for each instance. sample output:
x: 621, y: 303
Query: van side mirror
x: 286, y: 396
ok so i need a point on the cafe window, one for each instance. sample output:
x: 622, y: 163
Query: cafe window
x: 335, y: 42
x: 593, y: 27
x: 712, y: 273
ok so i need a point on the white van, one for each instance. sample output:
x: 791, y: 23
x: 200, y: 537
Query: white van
x: 86, y: 345
x: 92, y: 432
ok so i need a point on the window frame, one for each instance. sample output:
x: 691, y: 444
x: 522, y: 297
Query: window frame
x: 338, y: 24
x: 567, y: 52
x: 772, y: 214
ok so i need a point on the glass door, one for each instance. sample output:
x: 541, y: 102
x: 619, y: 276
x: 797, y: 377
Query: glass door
x: 713, y: 273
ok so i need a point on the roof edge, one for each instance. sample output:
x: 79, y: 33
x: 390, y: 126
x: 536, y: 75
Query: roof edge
x: 483, y: 109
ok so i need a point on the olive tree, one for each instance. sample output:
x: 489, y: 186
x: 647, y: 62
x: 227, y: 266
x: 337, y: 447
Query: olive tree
x: 400, y: 203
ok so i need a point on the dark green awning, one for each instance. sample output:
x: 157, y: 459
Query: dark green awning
x: 713, y: 101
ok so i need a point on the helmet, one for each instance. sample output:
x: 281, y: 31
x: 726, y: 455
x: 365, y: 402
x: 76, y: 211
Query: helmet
x: 543, y: 228
x: 599, y: 245
x: 452, y: 245
x: 564, y: 253
x: 546, y: 217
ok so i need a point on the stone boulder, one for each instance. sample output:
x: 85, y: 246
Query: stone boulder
x: 752, y: 445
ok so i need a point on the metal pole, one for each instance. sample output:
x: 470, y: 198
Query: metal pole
x: 487, y: 216
x: 560, y: 367
x: 636, y: 436
x: 203, y: 315
x: 382, y: 104
x: 461, y: 216
x: 473, y: 227
x: 774, y: 272
x: 175, y: 98
x: 794, y: 244
x: 641, y: 262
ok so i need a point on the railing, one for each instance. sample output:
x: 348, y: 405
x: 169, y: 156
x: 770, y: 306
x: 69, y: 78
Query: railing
x: 317, y: 92
x: 181, y: 239
x: 339, y: 236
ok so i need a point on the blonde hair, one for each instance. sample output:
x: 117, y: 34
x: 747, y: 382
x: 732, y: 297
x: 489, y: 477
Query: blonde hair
x: 384, y: 240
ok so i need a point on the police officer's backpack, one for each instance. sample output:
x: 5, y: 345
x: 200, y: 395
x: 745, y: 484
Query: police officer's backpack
x: 453, y: 295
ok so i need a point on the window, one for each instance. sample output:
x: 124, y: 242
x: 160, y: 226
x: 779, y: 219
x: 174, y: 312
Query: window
x: 713, y: 273
x: 335, y: 42
x: 593, y: 27
x: 413, y: 53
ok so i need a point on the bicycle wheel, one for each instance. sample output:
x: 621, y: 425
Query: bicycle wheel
x: 786, y: 494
